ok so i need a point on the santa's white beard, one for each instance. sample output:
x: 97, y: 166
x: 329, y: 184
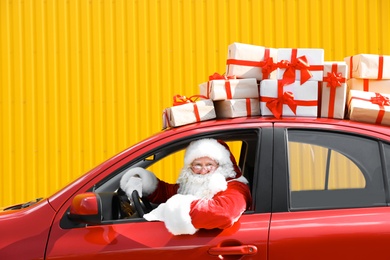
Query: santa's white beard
x: 202, y: 186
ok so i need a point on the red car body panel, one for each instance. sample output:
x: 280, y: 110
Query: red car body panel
x: 25, y: 232
x: 342, y: 234
x: 150, y: 240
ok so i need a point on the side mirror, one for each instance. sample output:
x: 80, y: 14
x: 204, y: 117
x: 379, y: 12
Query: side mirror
x: 95, y: 208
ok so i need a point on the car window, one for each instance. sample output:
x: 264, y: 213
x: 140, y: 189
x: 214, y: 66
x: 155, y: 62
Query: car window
x: 333, y: 170
x: 166, y: 161
x: 314, y: 167
x: 387, y: 164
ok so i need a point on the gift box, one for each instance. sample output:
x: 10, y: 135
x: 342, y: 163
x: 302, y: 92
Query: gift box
x: 368, y: 66
x: 300, y: 64
x: 223, y: 89
x: 187, y: 111
x: 251, y: 61
x: 334, y: 90
x: 369, y: 107
x: 293, y: 99
x: 237, y: 107
x: 370, y: 85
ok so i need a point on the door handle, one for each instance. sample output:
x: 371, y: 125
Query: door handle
x: 233, y: 250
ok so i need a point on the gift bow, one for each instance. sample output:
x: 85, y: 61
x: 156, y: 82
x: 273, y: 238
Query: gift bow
x: 334, y: 79
x: 267, y: 66
x: 217, y: 76
x: 181, y: 100
x: 299, y: 63
x: 380, y: 100
x: 276, y: 105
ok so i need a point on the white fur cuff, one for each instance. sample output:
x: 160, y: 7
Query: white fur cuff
x: 176, y: 214
x: 129, y: 181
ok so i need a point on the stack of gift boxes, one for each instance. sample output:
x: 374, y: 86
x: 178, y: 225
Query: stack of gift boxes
x: 369, y: 88
x: 289, y: 82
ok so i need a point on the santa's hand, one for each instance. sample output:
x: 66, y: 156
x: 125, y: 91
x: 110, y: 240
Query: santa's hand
x: 216, y: 184
x: 176, y: 214
x: 140, y: 180
x: 134, y: 183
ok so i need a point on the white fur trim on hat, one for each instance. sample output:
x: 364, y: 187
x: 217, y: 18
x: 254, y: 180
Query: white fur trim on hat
x: 145, y: 187
x: 207, y: 148
x: 176, y: 214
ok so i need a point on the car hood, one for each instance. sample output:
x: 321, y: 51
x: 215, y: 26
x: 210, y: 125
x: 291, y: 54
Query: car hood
x: 19, y: 206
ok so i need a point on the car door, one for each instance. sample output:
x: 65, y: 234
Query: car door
x: 330, y: 200
x: 138, y: 239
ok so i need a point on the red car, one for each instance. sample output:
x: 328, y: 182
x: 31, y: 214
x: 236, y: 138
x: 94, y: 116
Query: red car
x: 320, y: 190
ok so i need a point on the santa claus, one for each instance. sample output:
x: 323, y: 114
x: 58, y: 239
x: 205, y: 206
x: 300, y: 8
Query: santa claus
x: 210, y: 191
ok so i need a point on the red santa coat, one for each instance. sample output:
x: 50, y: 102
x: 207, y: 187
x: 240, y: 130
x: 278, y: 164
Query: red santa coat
x: 221, y: 211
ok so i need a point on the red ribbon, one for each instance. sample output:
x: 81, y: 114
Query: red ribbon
x: 182, y: 100
x: 379, y: 100
x: 334, y: 80
x: 275, y: 105
x: 297, y: 63
x: 248, y: 106
x: 228, y: 88
x: 366, y: 85
x: 196, y: 112
x: 380, y: 67
x: 350, y: 66
x: 267, y: 65
x: 166, y: 118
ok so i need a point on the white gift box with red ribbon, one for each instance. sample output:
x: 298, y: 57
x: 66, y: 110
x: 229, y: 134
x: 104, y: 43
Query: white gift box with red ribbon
x: 187, y: 111
x: 368, y: 66
x: 294, y: 99
x: 300, y: 64
x: 237, y: 108
x: 229, y: 88
x: 370, y: 85
x: 251, y: 61
x: 334, y: 90
x: 369, y: 107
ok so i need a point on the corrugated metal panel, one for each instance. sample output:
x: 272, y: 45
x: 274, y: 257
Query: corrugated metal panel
x: 82, y: 80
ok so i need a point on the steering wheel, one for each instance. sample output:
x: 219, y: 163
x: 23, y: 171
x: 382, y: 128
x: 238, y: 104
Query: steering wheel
x: 142, y: 205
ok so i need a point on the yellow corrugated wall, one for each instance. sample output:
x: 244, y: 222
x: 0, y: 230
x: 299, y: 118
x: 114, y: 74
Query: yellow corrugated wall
x: 82, y: 80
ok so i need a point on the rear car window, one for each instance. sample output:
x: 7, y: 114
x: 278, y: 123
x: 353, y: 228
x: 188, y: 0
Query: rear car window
x: 334, y: 170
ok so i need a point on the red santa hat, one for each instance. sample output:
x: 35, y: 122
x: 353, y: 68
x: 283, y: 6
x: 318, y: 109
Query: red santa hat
x: 217, y: 150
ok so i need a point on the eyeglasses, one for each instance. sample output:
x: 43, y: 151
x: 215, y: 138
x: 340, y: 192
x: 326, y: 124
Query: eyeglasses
x: 209, y: 167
